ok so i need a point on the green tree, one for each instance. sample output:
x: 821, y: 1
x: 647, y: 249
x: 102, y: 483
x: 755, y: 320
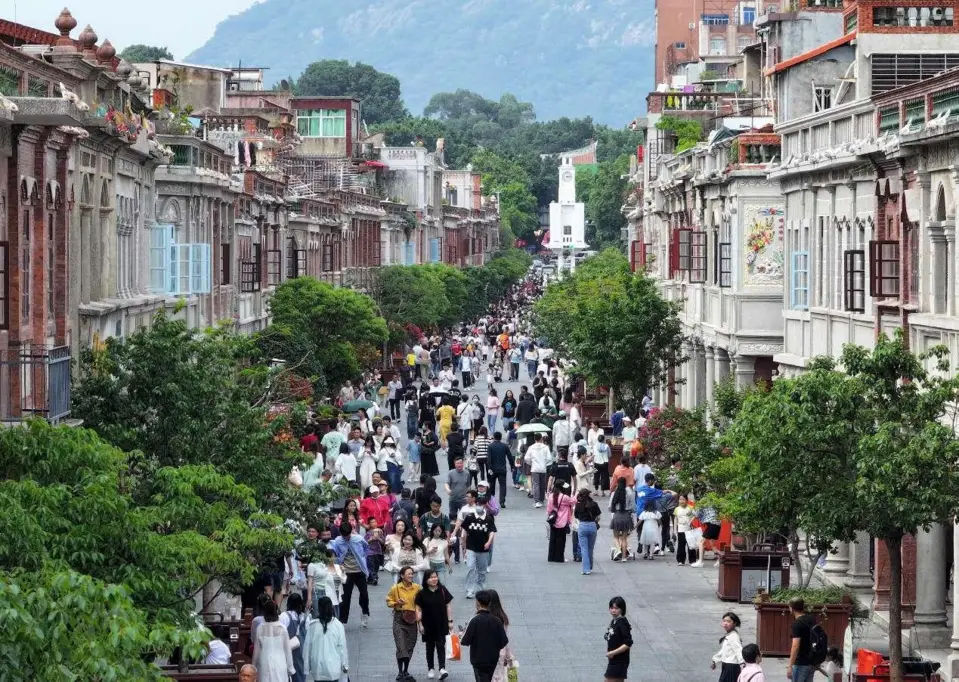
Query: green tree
x: 507, y: 179
x: 688, y: 132
x: 337, y: 327
x: 614, y: 323
x: 410, y: 131
x: 410, y: 294
x: 184, y: 396
x: 63, y: 625
x: 907, y: 476
x: 75, y: 503
x: 144, y: 53
x: 604, y: 206
x: 379, y: 92
x: 756, y: 480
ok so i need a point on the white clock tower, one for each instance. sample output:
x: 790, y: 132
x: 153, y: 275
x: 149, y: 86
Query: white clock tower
x: 567, y: 220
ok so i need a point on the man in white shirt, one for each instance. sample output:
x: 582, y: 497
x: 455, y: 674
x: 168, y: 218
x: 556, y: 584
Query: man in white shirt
x: 393, y: 429
x: 537, y: 456
x: 466, y: 367
x: 394, y: 390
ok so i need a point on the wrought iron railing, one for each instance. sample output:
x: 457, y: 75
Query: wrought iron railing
x: 35, y: 382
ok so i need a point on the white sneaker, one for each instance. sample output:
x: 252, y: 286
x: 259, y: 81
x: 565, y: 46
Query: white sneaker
x: 365, y: 621
x: 443, y: 674
x: 431, y: 674
x: 716, y: 564
x: 698, y: 564
x: 538, y: 505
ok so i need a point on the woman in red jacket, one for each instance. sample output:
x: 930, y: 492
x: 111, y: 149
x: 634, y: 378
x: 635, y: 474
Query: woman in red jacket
x: 377, y: 506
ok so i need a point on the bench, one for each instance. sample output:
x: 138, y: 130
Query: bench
x: 208, y: 673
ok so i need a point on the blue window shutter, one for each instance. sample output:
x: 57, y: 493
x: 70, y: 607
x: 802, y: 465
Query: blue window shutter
x: 199, y: 268
x: 403, y: 252
x: 161, y: 242
x: 411, y: 253
x: 180, y: 270
x: 434, y: 250
x: 799, y: 281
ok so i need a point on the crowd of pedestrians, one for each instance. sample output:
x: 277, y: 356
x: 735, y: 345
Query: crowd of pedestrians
x: 390, y: 523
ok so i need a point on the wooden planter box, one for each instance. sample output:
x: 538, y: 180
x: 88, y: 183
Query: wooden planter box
x: 742, y: 572
x: 593, y: 411
x: 774, y: 625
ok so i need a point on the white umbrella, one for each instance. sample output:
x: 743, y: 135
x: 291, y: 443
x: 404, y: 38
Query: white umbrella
x: 534, y: 428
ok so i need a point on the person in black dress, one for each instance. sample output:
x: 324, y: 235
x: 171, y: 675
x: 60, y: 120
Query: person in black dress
x: 429, y: 444
x: 619, y: 640
x: 435, y: 615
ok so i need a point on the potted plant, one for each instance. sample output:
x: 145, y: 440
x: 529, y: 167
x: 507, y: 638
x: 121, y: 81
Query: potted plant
x: 834, y: 609
x: 325, y: 418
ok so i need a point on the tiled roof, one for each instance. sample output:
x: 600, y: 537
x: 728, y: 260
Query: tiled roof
x: 28, y: 34
x: 810, y: 54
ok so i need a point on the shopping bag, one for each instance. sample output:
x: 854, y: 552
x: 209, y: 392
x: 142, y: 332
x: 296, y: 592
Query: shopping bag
x: 512, y: 675
x: 453, y: 647
x: 693, y: 537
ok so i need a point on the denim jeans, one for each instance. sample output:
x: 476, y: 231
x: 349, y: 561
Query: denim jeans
x: 587, y: 541
x: 491, y: 423
x: 803, y: 673
x: 531, y: 368
x: 476, y: 565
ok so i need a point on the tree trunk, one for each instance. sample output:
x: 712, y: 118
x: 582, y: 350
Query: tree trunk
x: 894, y: 546
x: 794, y: 551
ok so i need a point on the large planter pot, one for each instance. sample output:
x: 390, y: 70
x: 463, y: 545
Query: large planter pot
x: 742, y: 573
x: 774, y: 625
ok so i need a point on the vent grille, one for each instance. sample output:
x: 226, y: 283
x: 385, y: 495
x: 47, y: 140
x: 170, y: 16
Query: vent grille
x: 890, y: 71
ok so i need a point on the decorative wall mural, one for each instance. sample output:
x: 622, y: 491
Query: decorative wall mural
x: 763, y: 244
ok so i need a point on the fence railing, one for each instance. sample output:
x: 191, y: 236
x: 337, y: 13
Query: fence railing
x: 35, y: 382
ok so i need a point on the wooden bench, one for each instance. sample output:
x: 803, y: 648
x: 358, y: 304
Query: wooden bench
x: 208, y: 673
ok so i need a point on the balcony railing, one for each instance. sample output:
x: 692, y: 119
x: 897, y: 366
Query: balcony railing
x: 35, y: 382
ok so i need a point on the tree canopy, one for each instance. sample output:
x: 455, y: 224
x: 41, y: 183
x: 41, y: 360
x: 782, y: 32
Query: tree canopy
x: 613, y: 323
x: 379, y: 92
x: 329, y: 333
x: 144, y: 53
x: 87, y: 527
x: 182, y: 396
x: 603, y: 190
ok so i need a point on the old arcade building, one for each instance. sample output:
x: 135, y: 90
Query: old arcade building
x: 713, y: 236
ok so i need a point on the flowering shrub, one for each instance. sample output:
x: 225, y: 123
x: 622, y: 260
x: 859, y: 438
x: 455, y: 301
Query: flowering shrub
x: 673, y: 432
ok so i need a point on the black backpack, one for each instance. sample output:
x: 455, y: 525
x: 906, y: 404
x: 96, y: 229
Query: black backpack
x: 818, y: 643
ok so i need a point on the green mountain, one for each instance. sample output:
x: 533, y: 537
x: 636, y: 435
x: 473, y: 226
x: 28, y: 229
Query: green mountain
x: 568, y: 57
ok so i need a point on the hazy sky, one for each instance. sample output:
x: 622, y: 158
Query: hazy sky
x: 181, y: 25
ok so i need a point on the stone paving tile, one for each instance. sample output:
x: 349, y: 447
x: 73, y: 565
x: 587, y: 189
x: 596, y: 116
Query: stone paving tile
x: 559, y: 616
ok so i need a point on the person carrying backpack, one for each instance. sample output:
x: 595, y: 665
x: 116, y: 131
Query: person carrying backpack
x: 809, y: 643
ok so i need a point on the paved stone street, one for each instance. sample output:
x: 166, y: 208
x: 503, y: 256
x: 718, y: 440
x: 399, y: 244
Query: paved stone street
x: 558, y: 616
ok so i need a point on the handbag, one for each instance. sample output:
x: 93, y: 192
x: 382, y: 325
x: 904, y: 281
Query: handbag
x: 453, y: 650
x: 551, y: 518
x: 408, y: 616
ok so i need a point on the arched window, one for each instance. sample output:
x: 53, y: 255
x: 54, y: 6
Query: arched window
x: 717, y: 46
x: 940, y: 212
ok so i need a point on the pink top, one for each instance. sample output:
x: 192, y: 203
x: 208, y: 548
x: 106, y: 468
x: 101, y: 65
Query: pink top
x: 492, y: 404
x: 564, y: 510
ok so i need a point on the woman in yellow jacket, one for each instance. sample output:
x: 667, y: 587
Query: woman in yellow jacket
x: 402, y: 599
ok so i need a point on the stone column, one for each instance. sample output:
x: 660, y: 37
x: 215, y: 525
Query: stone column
x: 683, y: 377
x: 932, y: 586
x: 858, y: 574
x: 722, y: 364
x: 745, y: 374
x: 837, y: 564
x: 701, y: 377
x: 710, y: 376
x: 881, y: 589
x: 692, y: 376
x: 952, y: 670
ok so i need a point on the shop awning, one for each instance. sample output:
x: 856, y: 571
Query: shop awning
x: 375, y: 164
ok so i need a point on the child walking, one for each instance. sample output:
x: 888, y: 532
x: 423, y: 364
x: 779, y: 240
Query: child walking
x: 730, y: 655
x: 438, y: 550
x: 650, y: 536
